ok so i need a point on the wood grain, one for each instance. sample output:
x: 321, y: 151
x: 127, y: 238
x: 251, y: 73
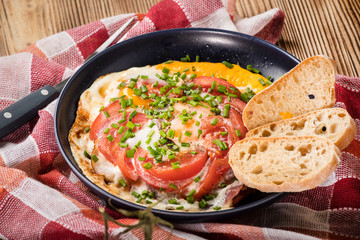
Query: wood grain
x: 328, y: 27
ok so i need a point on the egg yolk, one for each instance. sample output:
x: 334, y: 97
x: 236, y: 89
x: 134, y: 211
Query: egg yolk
x: 236, y: 75
x: 129, y: 93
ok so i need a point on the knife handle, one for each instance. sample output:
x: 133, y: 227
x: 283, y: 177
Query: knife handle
x: 19, y: 113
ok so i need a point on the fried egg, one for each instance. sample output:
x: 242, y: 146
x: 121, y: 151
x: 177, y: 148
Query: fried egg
x: 178, y: 124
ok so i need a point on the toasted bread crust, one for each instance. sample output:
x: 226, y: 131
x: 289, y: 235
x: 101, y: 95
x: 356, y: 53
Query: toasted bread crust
x: 333, y: 123
x: 307, y: 87
x: 284, y: 164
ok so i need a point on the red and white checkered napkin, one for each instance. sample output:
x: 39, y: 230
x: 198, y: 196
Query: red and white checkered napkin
x: 41, y: 198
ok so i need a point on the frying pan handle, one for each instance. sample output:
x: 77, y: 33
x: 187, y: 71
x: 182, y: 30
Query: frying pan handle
x: 19, y: 113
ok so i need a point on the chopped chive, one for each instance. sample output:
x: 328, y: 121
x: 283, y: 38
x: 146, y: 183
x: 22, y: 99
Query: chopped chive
x: 121, y: 85
x: 184, y: 144
x: 261, y: 81
x: 121, y: 129
x: 155, y: 84
x: 173, y: 201
x: 171, y: 156
x: 227, y: 64
x: 123, y: 145
x: 137, y: 91
x: 252, y: 69
x: 106, y: 113
x: 162, y: 133
x: 148, y: 141
x: 130, y: 125
x: 224, y: 133
x: 219, y: 99
x: 144, y: 77
x: 132, y: 115
x: 87, y: 129
x: 132, y: 84
x: 173, y: 186
x: 203, y: 203
x: 141, y: 158
x: 101, y: 108
x: 130, y: 153
x: 190, y: 199
x: 188, y: 57
x: 144, y: 89
x: 138, y: 144
x: 194, y: 75
x: 221, y: 88
x: 148, y: 202
x: 199, y: 133
x: 193, y: 152
x: 223, y: 185
x: 151, y: 133
x: 180, y: 137
x: 168, y: 61
x: 106, y: 131
x: 197, y: 179
x: 175, y: 165
x: 184, y: 59
x: 183, y: 76
x: 197, y: 123
x: 191, y: 193
x: 214, y: 121
x: 170, y: 134
x: 86, y: 154
x: 122, y: 182
x: 186, y: 69
x: 110, y: 138
x: 114, y: 125
x: 268, y: 82
x: 147, y: 165
x: 187, y: 133
x: 216, y: 208
x: 197, y: 59
x: 213, y: 86
x: 135, y: 194
x: 151, y: 124
x: 94, y: 158
x: 220, y: 144
x: 238, y: 133
x: 179, y: 208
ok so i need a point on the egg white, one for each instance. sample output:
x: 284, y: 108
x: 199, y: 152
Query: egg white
x: 100, y: 94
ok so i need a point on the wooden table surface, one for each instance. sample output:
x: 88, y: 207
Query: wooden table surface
x: 328, y: 27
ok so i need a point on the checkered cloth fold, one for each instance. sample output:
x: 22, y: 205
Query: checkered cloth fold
x: 40, y: 198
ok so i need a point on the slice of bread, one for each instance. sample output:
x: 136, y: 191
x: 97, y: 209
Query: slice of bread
x: 333, y: 123
x: 307, y: 87
x: 284, y: 164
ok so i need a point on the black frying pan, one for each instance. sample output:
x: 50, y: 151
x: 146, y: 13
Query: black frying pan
x: 154, y: 48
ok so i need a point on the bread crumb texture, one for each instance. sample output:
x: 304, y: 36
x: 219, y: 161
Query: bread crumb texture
x: 287, y: 164
x: 307, y: 87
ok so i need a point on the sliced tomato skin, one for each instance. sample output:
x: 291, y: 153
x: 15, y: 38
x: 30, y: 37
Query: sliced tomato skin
x: 219, y: 165
x: 206, y: 82
x: 111, y: 149
x: 100, y: 122
x: 164, y: 178
x: 217, y: 169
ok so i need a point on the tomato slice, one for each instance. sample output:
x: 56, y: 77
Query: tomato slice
x: 216, y: 172
x: 111, y: 149
x: 100, y: 122
x: 161, y: 175
x: 219, y: 165
x: 206, y: 82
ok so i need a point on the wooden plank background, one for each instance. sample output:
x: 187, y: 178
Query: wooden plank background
x: 328, y: 27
